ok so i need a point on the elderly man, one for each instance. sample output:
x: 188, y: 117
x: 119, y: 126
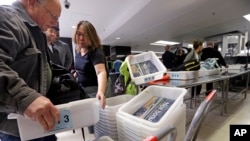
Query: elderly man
x: 24, y: 70
x: 211, y: 52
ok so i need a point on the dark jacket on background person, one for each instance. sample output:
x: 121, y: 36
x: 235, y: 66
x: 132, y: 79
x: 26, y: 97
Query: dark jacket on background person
x: 54, y: 55
x: 65, y: 53
x: 23, y: 61
x: 179, y: 57
x: 168, y: 59
x: 212, y: 53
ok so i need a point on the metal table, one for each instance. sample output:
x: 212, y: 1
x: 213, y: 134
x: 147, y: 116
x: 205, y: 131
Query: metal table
x: 224, y: 78
x: 233, y: 73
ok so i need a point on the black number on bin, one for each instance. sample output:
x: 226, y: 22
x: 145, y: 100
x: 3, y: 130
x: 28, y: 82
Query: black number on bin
x: 66, y: 118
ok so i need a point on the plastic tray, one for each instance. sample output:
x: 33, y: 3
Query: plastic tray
x: 129, y: 129
x: 183, y: 75
x: 151, y: 65
x: 88, y: 115
x: 209, y: 72
x: 134, y: 104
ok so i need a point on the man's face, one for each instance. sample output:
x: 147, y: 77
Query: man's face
x: 51, y: 34
x: 47, y: 14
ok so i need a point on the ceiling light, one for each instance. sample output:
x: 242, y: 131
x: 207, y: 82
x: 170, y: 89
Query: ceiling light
x: 247, y: 17
x: 73, y: 26
x: 117, y: 38
x: 155, y: 44
x: 163, y: 43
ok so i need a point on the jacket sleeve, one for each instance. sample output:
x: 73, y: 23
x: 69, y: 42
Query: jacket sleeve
x: 15, y: 95
x: 221, y: 59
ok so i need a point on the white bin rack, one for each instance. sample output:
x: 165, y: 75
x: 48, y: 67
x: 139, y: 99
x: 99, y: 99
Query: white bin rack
x: 107, y: 125
x: 133, y: 128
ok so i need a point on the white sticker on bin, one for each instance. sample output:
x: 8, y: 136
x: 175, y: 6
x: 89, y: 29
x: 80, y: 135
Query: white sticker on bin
x: 65, y: 121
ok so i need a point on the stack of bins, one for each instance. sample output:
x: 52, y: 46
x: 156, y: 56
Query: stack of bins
x: 107, y: 124
x: 131, y: 128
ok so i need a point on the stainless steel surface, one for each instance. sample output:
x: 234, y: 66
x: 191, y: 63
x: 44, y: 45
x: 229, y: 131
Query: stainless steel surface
x: 224, y: 78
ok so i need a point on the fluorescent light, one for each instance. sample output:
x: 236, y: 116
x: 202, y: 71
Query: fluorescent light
x: 247, y: 17
x: 163, y: 43
x: 154, y: 44
x: 117, y: 38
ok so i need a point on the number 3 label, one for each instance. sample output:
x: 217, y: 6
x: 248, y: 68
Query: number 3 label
x: 65, y: 121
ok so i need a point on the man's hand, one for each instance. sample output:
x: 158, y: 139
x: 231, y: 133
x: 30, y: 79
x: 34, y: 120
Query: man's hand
x: 44, y: 112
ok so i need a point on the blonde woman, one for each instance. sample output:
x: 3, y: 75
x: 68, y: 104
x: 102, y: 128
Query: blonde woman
x: 195, y: 54
x: 90, y: 61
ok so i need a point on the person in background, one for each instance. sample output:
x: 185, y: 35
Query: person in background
x: 195, y: 54
x: 63, y: 48
x: 90, y: 61
x: 168, y: 58
x: 210, y: 52
x: 52, y: 52
x: 117, y: 64
x: 179, y: 57
x: 24, y: 70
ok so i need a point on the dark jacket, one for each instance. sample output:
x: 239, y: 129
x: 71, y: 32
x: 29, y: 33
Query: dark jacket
x: 168, y: 59
x: 54, y: 56
x: 65, y: 53
x: 23, y: 64
x: 212, y: 53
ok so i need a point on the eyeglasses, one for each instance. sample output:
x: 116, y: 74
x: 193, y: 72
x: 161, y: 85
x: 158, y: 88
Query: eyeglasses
x: 51, y: 14
x: 80, y: 34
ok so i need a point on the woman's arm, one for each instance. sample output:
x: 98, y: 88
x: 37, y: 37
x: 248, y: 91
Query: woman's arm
x: 102, y: 82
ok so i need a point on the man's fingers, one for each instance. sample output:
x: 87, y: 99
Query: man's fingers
x: 49, y: 119
x: 55, y: 113
x: 43, y: 122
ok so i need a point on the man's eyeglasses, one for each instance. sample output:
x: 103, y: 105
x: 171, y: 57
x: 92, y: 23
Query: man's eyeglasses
x: 51, y: 14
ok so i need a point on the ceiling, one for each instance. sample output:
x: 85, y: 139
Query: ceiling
x: 141, y: 22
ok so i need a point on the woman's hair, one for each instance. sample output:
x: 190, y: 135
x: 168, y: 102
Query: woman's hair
x: 196, y: 44
x: 91, y: 35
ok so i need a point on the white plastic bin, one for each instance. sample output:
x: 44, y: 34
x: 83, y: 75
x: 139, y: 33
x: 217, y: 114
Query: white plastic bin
x: 80, y: 114
x: 183, y: 75
x: 131, y: 130
x: 129, y: 108
x: 209, y: 72
x: 107, y: 125
x: 143, y: 58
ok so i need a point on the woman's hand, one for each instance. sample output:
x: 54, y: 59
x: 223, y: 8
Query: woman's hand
x: 101, y: 96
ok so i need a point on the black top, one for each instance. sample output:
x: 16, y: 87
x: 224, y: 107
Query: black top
x: 84, y: 65
x: 168, y: 59
x: 178, y: 60
x: 212, y: 53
